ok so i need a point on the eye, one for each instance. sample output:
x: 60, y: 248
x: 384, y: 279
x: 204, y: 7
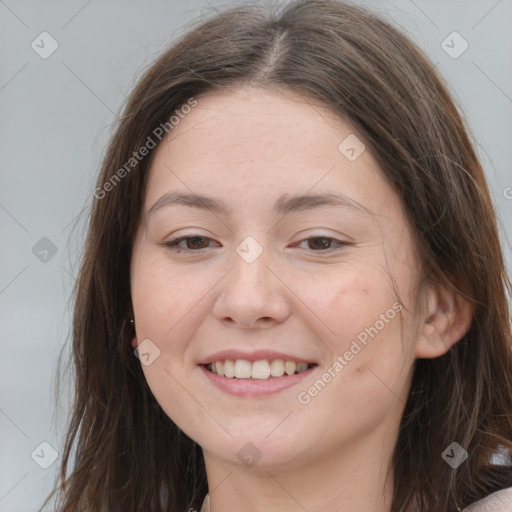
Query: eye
x: 195, y: 243
x: 192, y: 243
x: 322, y: 243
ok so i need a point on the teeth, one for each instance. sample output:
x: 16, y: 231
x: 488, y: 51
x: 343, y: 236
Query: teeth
x: 260, y: 370
x: 301, y: 367
x: 277, y: 368
x: 242, y: 369
x: 290, y: 367
x: 229, y: 369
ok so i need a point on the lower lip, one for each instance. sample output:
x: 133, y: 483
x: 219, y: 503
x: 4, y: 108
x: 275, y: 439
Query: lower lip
x: 254, y: 387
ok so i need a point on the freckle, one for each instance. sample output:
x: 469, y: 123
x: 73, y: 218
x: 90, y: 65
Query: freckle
x: 360, y: 369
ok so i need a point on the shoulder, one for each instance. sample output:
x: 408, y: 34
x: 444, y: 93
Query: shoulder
x: 500, y: 501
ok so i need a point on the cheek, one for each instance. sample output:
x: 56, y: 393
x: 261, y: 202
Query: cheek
x: 349, y: 299
x: 362, y: 322
x: 171, y: 386
x: 168, y: 301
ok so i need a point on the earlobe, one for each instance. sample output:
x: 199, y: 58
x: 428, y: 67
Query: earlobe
x: 447, y: 319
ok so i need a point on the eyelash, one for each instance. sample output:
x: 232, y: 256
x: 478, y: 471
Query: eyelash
x: 174, y: 243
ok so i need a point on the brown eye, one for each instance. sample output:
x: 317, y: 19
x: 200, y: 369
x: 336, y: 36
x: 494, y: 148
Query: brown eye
x: 322, y: 244
x: 192, y: 243
x: 319, y: 243
x: 197, y: 242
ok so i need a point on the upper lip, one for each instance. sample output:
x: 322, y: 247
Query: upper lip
x: 257, y: 355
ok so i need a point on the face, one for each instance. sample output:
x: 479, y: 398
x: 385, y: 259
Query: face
x: 269, y: 242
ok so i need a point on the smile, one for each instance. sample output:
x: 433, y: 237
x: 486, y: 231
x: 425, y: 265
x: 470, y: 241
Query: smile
x: 259, y: 378
x: 259, y: 370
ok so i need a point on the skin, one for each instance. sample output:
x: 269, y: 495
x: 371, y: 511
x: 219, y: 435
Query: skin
x: 247, y: 147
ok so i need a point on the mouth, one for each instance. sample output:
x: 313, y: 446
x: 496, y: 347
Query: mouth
x: 256, y: 379
x: 260, y: 370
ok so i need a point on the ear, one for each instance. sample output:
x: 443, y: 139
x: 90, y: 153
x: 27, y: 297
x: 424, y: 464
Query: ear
x: 135, y: 343
x: 447, y: 319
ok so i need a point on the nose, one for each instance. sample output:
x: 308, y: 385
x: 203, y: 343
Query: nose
x: 252, y: 295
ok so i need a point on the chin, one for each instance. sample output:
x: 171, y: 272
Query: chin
x: 256, y: 451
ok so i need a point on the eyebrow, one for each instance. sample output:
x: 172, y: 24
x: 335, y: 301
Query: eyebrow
x: 284, y: 204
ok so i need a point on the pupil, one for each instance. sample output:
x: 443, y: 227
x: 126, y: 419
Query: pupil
x: 318, y: 242
x: 195, y: 241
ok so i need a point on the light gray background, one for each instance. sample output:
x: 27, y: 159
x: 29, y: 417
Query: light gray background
x: 56, y: 118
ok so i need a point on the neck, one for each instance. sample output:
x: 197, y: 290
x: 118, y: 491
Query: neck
x: 349, y: 478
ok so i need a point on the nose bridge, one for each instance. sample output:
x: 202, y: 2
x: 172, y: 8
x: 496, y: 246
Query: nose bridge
x: 251, y: 291
x: 251, y: 268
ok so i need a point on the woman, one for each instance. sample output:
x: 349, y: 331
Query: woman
x: 292, y: 233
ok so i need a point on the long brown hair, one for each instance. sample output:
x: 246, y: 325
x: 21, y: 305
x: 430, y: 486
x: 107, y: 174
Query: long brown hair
x: 128, y: 455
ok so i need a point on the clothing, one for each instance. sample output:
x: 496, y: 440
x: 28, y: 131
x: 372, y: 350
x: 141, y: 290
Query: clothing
x: 500, y: 501
x: 206, y: 504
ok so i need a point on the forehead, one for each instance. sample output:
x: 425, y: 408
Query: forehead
x: 249, y: 145
x: 253, y: 124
